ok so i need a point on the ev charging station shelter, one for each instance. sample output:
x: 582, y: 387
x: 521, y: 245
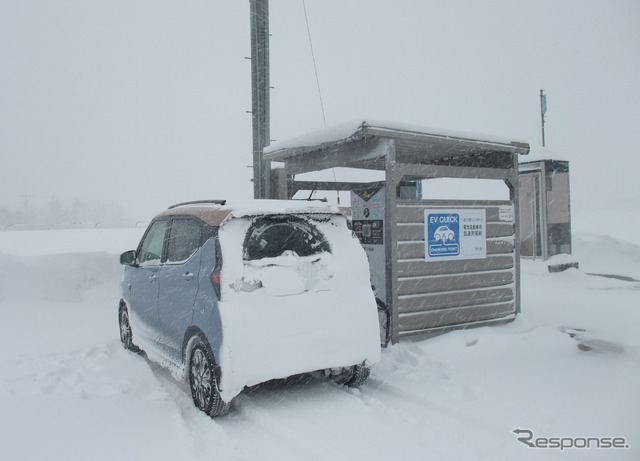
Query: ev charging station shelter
x: 435, y: 265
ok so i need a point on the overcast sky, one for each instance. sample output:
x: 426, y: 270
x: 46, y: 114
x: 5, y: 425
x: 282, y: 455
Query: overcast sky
x: 144, y: 103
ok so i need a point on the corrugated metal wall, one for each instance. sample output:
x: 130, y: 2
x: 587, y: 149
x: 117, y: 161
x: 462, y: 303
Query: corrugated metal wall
x: 432, y: 296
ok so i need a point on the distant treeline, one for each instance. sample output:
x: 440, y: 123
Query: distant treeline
x: 31, y: 212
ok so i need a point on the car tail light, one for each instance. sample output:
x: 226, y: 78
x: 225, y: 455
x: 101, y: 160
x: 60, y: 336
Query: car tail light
x: 215, y: 279
x: 216, y: 275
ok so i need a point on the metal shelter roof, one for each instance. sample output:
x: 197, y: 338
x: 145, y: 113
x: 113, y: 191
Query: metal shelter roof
x: 365, y: 145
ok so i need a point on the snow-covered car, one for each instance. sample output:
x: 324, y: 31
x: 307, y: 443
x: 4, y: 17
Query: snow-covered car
x: 233, y: 297
x: 444, y: 233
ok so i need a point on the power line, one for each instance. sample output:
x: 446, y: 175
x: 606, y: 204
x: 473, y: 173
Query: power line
x: 315, y: 67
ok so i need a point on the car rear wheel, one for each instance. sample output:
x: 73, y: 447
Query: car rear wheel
x: 204, y: 388
x: 354, y: 376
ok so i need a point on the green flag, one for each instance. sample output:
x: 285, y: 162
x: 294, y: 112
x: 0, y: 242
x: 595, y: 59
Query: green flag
x: 543, y: 102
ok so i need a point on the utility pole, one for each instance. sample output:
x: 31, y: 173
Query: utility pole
x: 543, y: 110
x: 260, y: 96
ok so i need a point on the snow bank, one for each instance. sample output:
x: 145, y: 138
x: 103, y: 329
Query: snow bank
x: 608, y: 223
x: 61, y: 265
x: 602, y: 254
x: 51, y: 242
x: 64, y: 277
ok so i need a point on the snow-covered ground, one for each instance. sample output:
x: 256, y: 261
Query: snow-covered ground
x: 569, y: 366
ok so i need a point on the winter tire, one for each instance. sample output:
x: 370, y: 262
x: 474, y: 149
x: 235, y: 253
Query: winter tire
x: 359, y: 376
x: 204, y: 388
x: 354, y: 376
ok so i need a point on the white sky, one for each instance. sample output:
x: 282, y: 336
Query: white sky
x: 144, y: 103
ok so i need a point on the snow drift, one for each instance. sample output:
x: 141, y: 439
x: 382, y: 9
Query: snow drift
x: 569, y: 366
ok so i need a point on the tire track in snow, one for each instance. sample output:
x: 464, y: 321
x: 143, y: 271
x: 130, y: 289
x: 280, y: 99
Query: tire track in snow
x: 87, y: 374
x: 207, y: 438
x: 309, y: 419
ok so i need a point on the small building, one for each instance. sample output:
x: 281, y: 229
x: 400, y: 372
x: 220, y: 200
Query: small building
x: 545, y: 209
x: 435, y: 265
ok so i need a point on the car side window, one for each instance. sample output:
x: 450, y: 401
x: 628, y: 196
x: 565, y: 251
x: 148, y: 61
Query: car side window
x: 270, y: 237
x: 184, y: 239
x: 153, y: 244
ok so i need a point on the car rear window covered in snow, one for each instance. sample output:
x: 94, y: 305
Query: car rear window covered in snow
x: 272, y: 236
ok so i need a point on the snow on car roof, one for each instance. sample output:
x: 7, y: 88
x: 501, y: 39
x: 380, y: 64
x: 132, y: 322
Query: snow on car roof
x: 262, y: 207
x: 215, y: 214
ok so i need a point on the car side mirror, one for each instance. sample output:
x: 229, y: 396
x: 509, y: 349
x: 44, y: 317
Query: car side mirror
x: 128, y: 258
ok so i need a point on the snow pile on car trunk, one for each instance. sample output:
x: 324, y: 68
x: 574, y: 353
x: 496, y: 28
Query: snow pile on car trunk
x: 290, y: 314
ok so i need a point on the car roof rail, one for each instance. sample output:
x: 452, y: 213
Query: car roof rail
x: 199, y: 202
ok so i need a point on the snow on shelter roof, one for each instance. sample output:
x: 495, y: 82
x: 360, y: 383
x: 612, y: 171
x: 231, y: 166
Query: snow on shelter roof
x: 215, y: 214
x: 422, y: 142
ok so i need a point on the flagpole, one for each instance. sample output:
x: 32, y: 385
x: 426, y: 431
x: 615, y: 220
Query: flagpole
x: 543, y: 110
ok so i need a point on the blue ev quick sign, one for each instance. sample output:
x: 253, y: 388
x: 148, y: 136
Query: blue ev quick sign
x: 443, y: 234
x: 452, y: 234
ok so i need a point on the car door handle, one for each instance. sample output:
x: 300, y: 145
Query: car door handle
x: 187, y: 276
x: 153, y: 277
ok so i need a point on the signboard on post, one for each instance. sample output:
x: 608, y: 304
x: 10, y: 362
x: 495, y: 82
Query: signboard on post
x: 455, y: 234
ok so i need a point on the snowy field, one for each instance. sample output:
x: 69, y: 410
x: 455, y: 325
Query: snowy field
x: 568, y: 368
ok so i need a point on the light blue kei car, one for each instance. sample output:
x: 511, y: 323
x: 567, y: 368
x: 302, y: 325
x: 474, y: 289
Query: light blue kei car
x: 228, y: 298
